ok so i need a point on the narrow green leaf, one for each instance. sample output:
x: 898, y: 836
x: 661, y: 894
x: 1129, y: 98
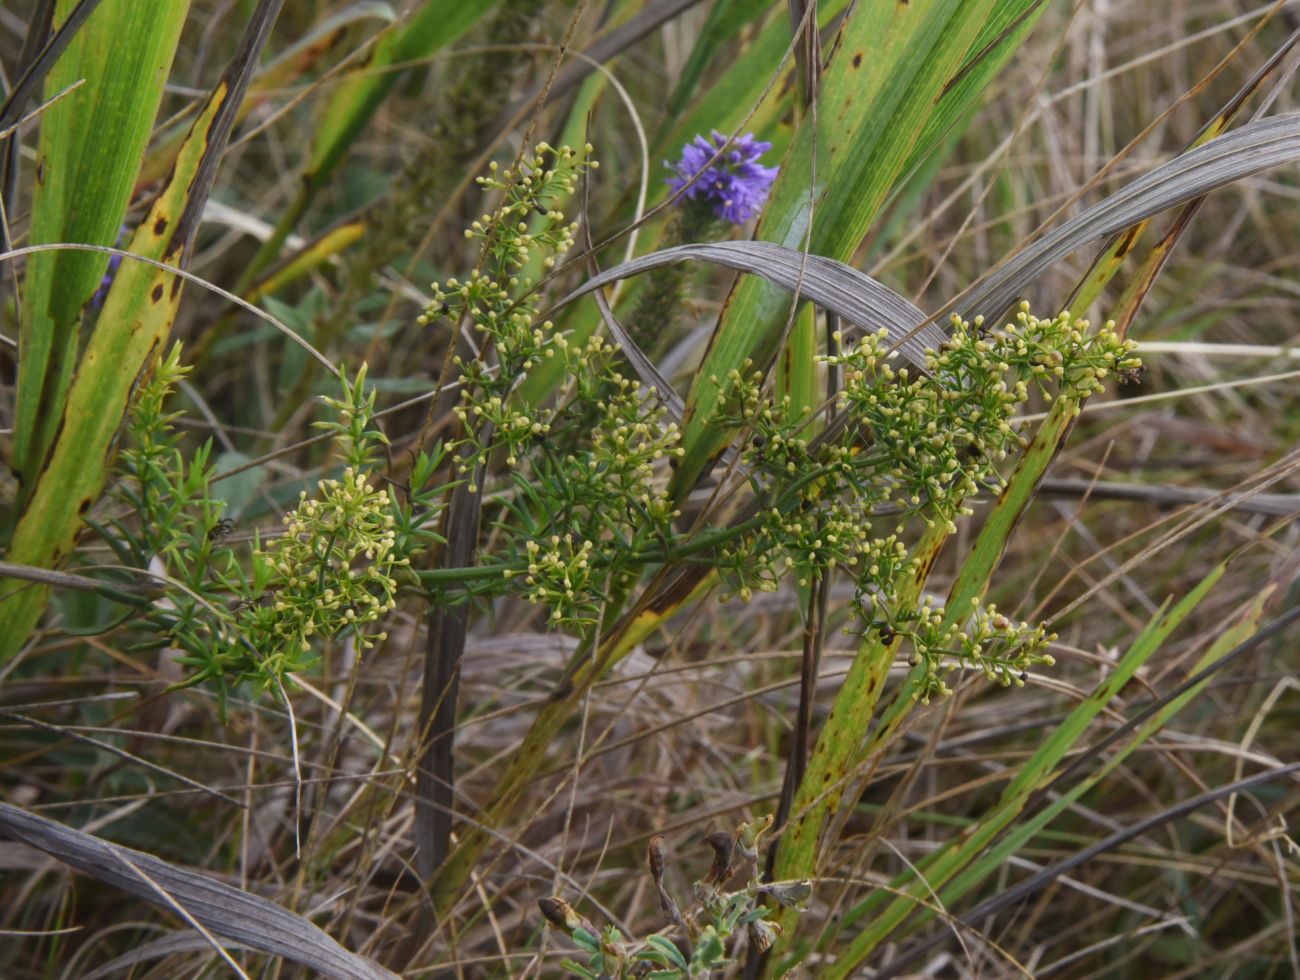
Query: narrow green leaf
x: 991, y: 861
x: 1035, y: 774
x: 83, y: 183
x: 436, y: 24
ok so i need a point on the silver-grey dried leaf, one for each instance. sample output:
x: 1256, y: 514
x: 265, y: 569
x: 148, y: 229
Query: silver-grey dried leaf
x: 223, y: 909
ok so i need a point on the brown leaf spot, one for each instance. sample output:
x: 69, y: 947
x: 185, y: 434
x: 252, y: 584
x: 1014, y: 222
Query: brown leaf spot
x: 157, y: 293
x: 160, y: 226
x: 1127, y: 242
x: 857, y: 60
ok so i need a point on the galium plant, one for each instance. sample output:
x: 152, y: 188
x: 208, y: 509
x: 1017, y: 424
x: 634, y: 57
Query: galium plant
x: 576, y: 489
x: 256, y: 617
x: 568, y: 459
x: 579, y: 506
x: 917, y: 445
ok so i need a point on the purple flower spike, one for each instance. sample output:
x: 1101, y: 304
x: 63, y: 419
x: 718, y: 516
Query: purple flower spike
x: 736, y: 185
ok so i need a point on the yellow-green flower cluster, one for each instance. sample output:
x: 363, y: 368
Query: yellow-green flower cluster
x: 533, y: 188
x: 941, y: 434
x: 498, y: 304
x: 1001, y: 649
x: 331, y: 572
x: 591, y: 495
x: 920, y: 444
x: 561, y: 576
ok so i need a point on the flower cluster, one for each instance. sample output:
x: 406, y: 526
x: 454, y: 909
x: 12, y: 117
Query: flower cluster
x: 936, y: 438
x: 331, y: 571
x: 920, y: 445
x: 524, y: 234
x: 547, y: 175
x: 254, y: 617
x: 735, y: 185
x: 1000, y: 648
x: 591, y: 496
x: 562, y: 577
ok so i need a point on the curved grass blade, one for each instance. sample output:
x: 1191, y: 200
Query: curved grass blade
x: 1109, y: 259
x: 225, y: 910
x: 843, y: 290
x: 133, y: 326
x: 1254, y: 147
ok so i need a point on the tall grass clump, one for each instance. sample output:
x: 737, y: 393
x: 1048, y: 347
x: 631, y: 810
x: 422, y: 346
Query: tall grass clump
x: 666, y: 490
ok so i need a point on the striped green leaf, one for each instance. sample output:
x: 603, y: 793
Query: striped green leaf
x: 119, y: 63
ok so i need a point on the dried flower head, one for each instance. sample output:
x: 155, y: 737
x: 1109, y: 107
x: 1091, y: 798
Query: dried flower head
x: 735, y: 185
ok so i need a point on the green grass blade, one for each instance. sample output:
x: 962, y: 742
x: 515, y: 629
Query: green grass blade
x: 91, y: 145
x: 995, y: 857
x: 727, y: 20
x: 1035, y: 774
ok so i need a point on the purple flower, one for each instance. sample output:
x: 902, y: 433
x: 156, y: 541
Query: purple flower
x: 736, y: 185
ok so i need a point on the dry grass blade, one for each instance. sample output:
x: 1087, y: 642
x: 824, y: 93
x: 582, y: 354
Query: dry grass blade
x: 225, y: 910
x: 841, y: 289
x: 1256, y: 146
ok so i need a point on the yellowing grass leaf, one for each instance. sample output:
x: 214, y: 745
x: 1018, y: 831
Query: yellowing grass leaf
x: 91, y: 144
x: 132, y: 328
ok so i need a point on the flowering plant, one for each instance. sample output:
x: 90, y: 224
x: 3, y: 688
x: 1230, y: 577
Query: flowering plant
x: 735, y: 185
